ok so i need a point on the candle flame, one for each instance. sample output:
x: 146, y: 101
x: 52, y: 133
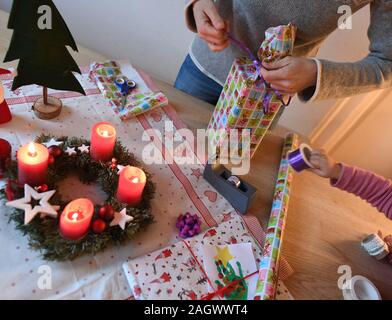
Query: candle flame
x: 105, y: 133
x: 135, y: 180
x: 75, y: 216
x: 32, y: 150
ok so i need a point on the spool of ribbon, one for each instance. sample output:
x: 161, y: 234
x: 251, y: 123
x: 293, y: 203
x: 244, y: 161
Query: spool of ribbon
x: 375, y: 246
x: 299, y: 159
x: 258, y: 65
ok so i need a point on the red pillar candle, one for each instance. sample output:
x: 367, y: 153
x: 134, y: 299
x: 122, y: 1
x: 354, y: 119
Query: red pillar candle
x: 76, y: 218
x: 131, y: 184
x: 33, y: 160
x: 103, y: 140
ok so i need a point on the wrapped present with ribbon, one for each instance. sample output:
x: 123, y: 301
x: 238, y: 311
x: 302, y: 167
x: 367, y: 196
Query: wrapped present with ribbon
x: 220, y: 263
x: 123, y: 94
x: 247, y: 101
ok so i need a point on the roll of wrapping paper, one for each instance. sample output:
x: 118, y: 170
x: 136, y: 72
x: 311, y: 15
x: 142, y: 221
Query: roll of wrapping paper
x: 269, y: 264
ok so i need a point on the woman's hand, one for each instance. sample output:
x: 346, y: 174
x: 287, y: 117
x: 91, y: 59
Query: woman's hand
x: 324, y: 166
x: 210, y: 25
x: 291, y: 74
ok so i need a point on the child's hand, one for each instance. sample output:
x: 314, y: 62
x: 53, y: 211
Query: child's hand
x: 323, y: 165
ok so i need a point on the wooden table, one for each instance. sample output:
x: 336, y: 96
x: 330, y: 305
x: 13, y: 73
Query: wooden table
x: 324, y: 225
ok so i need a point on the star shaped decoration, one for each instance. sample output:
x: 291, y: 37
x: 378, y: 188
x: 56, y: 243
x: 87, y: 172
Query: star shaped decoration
x: 70, y: 151
x: 52, y: 142
x: 43, y: 207
x: 223, y: 255
x: 121, y: 219
x: 197, y: 173
x: 120, y: 168
x: 84, y: 149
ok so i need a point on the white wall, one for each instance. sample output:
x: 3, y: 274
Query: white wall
x: 150, y: 33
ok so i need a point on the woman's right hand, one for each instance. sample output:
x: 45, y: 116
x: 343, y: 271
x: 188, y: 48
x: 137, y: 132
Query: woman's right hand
x: 210, y: 25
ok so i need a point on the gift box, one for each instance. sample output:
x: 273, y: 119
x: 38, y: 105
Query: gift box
x: 247, y: 102
x: 128, y: 106
x: 178, y: 272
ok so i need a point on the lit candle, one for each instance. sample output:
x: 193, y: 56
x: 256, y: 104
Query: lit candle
x: 76, y: 218
x: 131, y: 184
x: 103, y: 140
x: 33, y: 164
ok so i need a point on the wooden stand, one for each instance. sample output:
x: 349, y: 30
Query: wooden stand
x: 47, y: 107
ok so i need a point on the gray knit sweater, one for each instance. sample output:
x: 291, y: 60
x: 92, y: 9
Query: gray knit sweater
x: 315, y: 19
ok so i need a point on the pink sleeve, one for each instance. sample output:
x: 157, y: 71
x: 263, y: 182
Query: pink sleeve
x: 370, y: 187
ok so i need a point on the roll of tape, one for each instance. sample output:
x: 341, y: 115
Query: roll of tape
x: 360, y: 288
x: 375, y: 246
x: 234, y: 180
x: 299, y: 159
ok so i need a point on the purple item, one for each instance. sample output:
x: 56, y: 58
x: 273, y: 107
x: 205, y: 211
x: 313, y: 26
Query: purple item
x: 258, y: 65
x: 188, y: 225
x: 299, y: 159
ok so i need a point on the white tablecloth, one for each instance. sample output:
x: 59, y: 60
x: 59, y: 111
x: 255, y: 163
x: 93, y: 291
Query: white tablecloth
x: 179, y: 189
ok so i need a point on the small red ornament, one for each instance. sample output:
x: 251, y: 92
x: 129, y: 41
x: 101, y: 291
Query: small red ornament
x: 113, y: 164
x: 5, y: 153
x: 51, y: 159
x: 106, y: 213
x: 55, y: 151
x: 42, y: 188
x: 98, y: 226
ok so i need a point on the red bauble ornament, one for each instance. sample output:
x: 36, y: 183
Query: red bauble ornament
x: 51, y: 159
x: 42, y: 188
x: 55, y: 151
x: 5, y: 153
x: 98, y: 226
x: 106, y: 213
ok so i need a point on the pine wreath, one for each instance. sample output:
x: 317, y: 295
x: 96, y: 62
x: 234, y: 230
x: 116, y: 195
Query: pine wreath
x: 44, y: 234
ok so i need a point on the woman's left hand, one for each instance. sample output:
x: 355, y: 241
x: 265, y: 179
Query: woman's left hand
x: 291, y: 74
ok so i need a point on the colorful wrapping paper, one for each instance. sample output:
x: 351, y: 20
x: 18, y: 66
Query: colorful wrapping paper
x: 269, y: 265
x: 244, y: 96
x: 104, y: 75
x: 177, y: 273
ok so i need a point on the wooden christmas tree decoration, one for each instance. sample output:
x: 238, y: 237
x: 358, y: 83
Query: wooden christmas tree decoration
x: 39, y: 42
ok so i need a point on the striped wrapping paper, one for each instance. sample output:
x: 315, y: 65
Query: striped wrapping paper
x: 270, y: 260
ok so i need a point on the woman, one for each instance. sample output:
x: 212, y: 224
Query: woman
x: 206, y: 67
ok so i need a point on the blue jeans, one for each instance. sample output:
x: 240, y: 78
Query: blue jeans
x: 191, y: 80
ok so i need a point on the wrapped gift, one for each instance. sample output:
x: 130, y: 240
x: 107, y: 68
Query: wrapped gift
x: 180, y: 272
x: 125, y: 106
x: 247, y: 101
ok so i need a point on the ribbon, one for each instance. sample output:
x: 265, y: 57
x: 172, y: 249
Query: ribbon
x: 258, y: 65
x: 299, y: 159
x: 221, y: 291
